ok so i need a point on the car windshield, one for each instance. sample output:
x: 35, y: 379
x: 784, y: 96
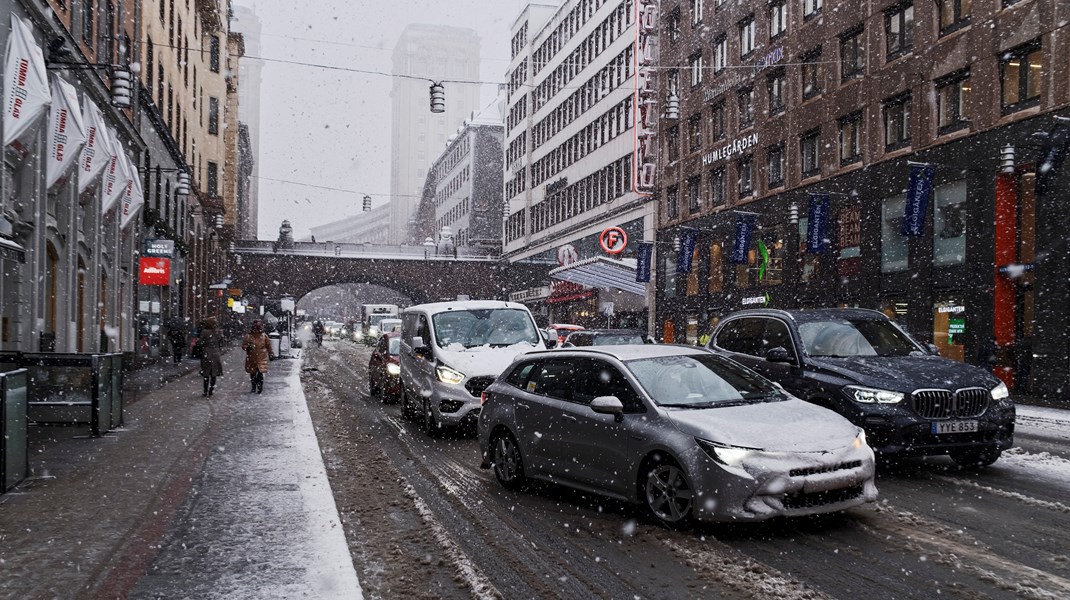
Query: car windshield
x: 699, y: 381
x: 394, y: 346
x: 843, y: 338
x: 614, y: 339
x: 494, y: 327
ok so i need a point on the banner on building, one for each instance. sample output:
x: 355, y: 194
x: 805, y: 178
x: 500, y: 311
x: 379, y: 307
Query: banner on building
x: 744, y: 233
x: 817, y: 223
x: 154, y: 271
x: 96, y: 152
x: 66, y: 132
x: 687, y: 250
x: 133, y: 197
x: 26, y: 90
x: 918, y: 192
x: 115, y: 177
x: 644, y: 257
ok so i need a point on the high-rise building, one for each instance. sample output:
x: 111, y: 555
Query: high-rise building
x: 426, y: 53
x: 247, y: 23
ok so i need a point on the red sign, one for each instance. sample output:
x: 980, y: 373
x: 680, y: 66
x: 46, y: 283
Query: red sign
x: 155, y: 271
x: 613, y: 240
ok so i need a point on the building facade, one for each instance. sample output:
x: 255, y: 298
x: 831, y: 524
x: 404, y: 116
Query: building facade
x: 799, y: 127
x: 247, y: 24
x: 570, y: 141
x: 371, y: 227
x: 426, y: 53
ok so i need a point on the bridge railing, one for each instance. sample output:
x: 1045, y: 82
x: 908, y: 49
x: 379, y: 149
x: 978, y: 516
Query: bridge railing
x: 349, y: 250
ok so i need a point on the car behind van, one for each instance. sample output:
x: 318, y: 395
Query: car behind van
x: 451, y: 351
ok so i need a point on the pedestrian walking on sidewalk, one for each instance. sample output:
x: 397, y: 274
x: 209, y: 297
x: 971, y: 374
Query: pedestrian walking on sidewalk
x: 176, y: 334
x: 257, y: 348
x: 211, y: 355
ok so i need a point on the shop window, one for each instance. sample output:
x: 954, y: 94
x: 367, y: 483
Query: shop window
x: 716, y: 282
x: 949, y: 224
x: 894, y: 255
x: 1021, y: 70
x: 691, y: 332
x: 949, y: 327
x: 669, y: 272
x: 692, y: 277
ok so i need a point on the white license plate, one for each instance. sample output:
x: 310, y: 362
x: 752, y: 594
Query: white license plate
x: 954, y: 427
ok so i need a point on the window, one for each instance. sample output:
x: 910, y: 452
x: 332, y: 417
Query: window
x: 696, y: 12
x: 745, y: 166
x: 776, y: 159
x: 746, y: 108
x: 672, y: 25
x: 672, y: 141
x: 897, y: 122
x: 810, y: 147
x: 89, y: 20
x: 151, y: 71
x: 720, y: 54
x: 893, y: 244
x: 852, y: 54
x: 951, y: 94
x: 716, y: 282
x: 694, y: 132
x: 596, y: 378
x: 778, y: 18
x: 746, y: 36
x: 851, y: 138
x: 672, y: 196
x: 717, y: 188
x: 694, y: 196
x: 949, y: 224
x: 742, y: 336
x: 695, y: 64
x: 777, y: 87
x: 1020, y: 73
x: 717, y: 129
x: 213, y: 57
x: 898, y: 29
x: 213, y: 116
x: 811, y: 7
x: 954, y: 14
x: 213, y: 179
x: 811, y: 74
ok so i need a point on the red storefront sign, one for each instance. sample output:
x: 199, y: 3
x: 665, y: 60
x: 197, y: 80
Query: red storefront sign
x: 154, y: 271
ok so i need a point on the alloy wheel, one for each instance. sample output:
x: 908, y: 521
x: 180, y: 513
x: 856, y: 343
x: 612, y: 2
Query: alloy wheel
x: 508, y: 466
x: 668, y: 494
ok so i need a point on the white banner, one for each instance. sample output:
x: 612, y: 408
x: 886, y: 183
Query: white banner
x: 133, y: 197
x: 96, y: 153
x: 26, y: 92
x: 115, y: 176
x: 66, y: 133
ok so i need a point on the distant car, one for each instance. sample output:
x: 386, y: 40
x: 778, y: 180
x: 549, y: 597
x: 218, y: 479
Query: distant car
x: 561, y: 330
x: 690, y: 434
x: 862, y: 365
x: 605, y: 337
x: 388, y: 325
x: 384, y: 369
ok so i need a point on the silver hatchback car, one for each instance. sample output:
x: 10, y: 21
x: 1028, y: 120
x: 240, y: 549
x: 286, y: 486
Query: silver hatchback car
x: 689, y: 434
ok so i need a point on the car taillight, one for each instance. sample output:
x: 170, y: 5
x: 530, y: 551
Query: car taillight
x: 483, y: 397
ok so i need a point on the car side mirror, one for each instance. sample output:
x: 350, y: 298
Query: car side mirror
x: 778, y: 355
x: 608, y: 405
x: 933, y: 349
x: 419, y: 347
x: 552, y: 338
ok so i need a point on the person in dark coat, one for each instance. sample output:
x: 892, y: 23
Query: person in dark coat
x: 176, y: 334
x: 257, y: 348
x: 211, y: 355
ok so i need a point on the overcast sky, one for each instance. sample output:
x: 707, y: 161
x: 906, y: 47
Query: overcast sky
x: 331, y: 128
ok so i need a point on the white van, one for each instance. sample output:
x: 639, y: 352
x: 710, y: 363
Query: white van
x: 451, y: 351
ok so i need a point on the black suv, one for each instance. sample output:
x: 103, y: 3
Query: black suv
x: 908, y: 399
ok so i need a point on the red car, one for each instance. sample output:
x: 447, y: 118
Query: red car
x: 384, y: 370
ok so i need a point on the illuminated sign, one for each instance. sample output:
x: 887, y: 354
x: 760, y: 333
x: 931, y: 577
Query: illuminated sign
x: 154, y: 271
x: 613, y: 240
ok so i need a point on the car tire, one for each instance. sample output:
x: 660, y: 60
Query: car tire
x: 507, y: 462
x: 406, y: 407
x: 666, y: 491
x: 972, y: 459
x: 428, y: 422
x: 373, y: 388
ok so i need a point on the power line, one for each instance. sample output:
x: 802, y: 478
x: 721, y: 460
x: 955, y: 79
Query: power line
x: 334, y: 189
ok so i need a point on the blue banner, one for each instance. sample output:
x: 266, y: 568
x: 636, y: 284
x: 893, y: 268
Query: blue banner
x: 817, y: 224
x: 744, y: 232
x: 918, y: 191
x: 645, y: 253
x: 687, y: 250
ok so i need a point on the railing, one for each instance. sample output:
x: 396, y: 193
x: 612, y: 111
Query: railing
x: 352, y: 250
x: 72, y: 389
x: 14, y: 461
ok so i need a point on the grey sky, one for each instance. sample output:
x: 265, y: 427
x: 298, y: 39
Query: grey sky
x: 331, y: 128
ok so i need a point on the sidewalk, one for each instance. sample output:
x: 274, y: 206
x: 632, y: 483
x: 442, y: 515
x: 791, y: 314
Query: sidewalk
x: 208, y: 498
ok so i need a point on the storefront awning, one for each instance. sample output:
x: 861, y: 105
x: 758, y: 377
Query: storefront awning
x: 602, y: 272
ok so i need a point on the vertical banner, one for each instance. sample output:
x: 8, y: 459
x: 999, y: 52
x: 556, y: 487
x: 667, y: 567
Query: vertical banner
x: 26, y: 91
x: 114, y: 176
x: 741, y: 245
x: 918, y: 191
x: 644, y: 256
x: 96, y: 153
x: 687, y: 250
x: 133, y: 197
x: 817, y: 223
x: 66, y: 132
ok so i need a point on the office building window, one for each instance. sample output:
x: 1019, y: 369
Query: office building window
x: 213, y: 116
x: 1020, y: 72
x: 694, y: 196
x: 720, y: 53
x: 745, y: 167
x: 951, y: 95
x: 213, y: 179
x: 696, y: 12
x: 811, y: 7
x: 852, y: 54
x: 213, y: 55
x: 811, y: 73
x: 717, y: 187
x: 777, y: 87
x: 810, y: 148
x: 897, y: 122
x: 899, y: 29
x: 778, y: 18
x: 89, y: 21
x: 954, y: 14
x: 695, y: 64
x: 672, y: 25
x: 717, y: 125
x: 851, y: 138
x: 777, y: 164
x: 746, y: 108
x: 746, y: 36
x: 672, y: 141
x: 671, y: 199
x: 694, y: 132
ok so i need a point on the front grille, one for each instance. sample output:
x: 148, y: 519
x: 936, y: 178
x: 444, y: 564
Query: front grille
x: 804, y: 500
x: 945, y: 404
x: 476, y: 385
x: 854, y: 464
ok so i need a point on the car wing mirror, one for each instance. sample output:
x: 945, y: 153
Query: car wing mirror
x: 552, y: 338
x: 778, y: 355
x: 419, y: 347
x: 933, y: 349
x: 608, y: 405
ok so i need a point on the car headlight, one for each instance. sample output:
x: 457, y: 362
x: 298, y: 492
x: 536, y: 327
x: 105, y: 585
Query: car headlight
x: 865, y: 395
x: 732, y: 456
x: 1000, y: 392
x: 448, y: 375
x: 393, y: 369
x: 860, y: 439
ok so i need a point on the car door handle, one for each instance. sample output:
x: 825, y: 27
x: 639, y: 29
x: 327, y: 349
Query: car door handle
x: 569, y: 417
x: 522, y: 405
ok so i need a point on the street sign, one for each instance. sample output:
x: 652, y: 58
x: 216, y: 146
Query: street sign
x: 613, y: 240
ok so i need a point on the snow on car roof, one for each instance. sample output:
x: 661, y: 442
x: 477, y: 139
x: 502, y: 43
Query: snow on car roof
x: 626, y: 352
x: 436, y: 307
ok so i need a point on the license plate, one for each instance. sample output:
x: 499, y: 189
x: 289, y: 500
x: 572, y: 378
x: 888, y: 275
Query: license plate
x: 954, y: 427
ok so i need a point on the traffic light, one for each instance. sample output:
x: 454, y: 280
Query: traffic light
x: 120, y: 88
x: 367, y: 203
x: 438, y: 98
